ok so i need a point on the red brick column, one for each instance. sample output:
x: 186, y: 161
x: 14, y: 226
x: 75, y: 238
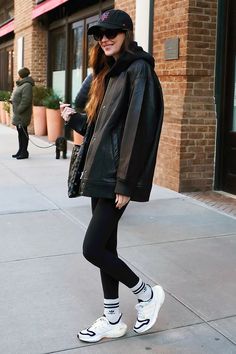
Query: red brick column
x: 199, y: 120
x: 35, y: 41
x: 39, y: 50
x: 186, y: 155
x: 171, y: 20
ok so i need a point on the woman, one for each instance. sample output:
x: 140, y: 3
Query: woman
x: 22, y: 110
x: 122, y: 126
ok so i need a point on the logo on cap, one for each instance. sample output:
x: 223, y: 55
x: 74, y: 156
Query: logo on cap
x: 104, y: 16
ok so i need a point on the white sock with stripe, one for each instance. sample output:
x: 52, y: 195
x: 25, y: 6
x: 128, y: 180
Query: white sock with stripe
x: 112, y: 310
x: 142, y: 291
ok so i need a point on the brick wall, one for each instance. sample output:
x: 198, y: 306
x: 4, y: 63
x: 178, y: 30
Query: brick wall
x: 23, y: 22
x: 39, y: 53
x: 186, y: 155
x: 128, y: 6
x: 35, y: 43
x: 35, y: 40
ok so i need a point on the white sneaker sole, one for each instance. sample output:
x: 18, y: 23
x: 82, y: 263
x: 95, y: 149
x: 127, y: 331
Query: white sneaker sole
x: 115, y: 333
x: 159, y: 294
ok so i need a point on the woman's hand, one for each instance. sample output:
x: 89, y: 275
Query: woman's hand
x: 66, y: 112
x: 121, y: 200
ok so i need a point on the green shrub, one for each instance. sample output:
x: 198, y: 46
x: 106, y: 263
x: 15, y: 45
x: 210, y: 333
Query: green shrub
x: 40, y: 93
x: 4, y: 95
x: 52, y: 101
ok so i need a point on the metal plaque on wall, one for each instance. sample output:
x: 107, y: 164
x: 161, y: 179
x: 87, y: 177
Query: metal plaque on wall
x: 172, y: 48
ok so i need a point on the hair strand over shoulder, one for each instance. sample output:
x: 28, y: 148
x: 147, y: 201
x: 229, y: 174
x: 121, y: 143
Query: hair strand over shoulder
x: 100, y: 65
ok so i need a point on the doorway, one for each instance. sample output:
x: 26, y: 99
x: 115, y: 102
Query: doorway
x: 81, y: 44
x: 226, y: 149
x: 69, y: 62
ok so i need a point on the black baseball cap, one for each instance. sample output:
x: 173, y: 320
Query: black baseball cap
x: 112, y: 19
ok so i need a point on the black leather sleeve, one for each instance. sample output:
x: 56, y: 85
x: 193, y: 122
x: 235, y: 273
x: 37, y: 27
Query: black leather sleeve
x: 78, y: 122
x: 141, y: 131
x: 82, y: 96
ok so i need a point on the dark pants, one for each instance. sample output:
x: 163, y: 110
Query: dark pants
x: 100, y: 247
x: 23, y: 139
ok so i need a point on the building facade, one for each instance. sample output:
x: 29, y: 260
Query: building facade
x: 193, y: 42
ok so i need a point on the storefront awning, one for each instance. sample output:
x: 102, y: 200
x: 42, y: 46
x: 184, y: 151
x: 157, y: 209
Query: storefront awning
x: 46, y: 6
x: 7, y: 28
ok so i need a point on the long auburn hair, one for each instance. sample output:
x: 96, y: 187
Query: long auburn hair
x: 100, y: 66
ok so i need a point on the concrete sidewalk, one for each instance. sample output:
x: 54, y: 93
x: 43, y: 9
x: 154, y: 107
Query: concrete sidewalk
x: 49, y: 292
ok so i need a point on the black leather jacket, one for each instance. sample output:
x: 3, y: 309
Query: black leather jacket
x: 122, y: 152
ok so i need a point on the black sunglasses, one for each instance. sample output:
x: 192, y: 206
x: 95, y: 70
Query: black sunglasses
x: 109, y: 33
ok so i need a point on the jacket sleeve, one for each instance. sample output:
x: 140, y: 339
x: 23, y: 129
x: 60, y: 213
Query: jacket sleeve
x: 26, y: 98
x: 138, y: 135
x: 78, y: 122
x: 82, y: 96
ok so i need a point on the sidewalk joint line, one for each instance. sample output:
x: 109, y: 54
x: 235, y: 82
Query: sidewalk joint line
x: 129, y: 336
x: 25, y: 212
x: 180, y: 240
x: 194, y: 311
x: 40, y: 257
x: 223, y: 318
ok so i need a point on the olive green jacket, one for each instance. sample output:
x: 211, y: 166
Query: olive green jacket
x: 22, y: 97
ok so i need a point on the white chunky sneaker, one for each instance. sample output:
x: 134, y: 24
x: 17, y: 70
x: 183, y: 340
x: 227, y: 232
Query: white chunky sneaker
x: 148, y: 310
x: 102, y: 328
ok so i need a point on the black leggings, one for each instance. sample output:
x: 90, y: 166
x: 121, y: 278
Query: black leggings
x: 100, y: 247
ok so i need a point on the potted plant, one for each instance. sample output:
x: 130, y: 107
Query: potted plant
x: 6, y: 107
x: 4, y: 96
x: 40, y: 93
x: 53, y: 116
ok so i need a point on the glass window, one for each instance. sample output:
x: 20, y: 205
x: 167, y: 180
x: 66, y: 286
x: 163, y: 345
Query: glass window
x: 91, y: 43
x: 81, y: 46
x: 77, y: 59
x: 6, y: 11
x: 69, y: 57
x: 59, y: 62
x: 6, y: 68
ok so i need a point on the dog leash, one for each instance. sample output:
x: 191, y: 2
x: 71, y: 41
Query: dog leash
x: 32, y: 142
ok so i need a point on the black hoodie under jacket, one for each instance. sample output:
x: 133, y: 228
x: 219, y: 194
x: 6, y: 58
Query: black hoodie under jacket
x: 122, y: 150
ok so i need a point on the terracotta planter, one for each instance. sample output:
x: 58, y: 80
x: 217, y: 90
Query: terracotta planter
x: 11, y: 116
x: 1, y: 109
x: 2, y: 113
x: 77, y: 138
x: 8, y: 118
x: 40, y: 122
x: 3, y: 118
x: 31, y: 126
x: 54, y: 124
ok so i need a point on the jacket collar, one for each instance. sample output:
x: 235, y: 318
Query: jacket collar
x: 127, y: 58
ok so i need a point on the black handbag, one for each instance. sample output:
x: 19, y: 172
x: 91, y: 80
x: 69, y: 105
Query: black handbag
x: 77, y: 162
x: 74, y: 172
